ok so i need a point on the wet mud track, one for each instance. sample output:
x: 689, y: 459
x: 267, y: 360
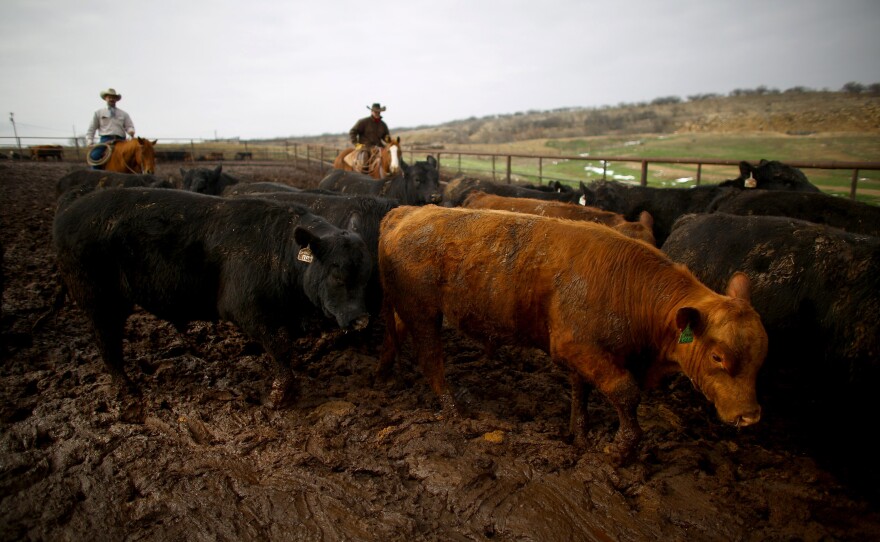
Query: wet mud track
x: 351, y: 459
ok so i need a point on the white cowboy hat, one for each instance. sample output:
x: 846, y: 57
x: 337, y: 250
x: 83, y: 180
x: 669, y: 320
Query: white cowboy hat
x: 376, y: 107
x: 110, y: 92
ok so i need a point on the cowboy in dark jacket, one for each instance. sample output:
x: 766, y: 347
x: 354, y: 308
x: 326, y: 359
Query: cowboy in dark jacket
x: 369, y: 132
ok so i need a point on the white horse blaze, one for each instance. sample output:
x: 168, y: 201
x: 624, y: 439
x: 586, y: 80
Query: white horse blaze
x: 395, y: 162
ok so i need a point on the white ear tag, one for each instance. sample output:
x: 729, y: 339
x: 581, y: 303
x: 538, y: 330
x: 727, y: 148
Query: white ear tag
x: 751, y: 182
x: 305, y: 255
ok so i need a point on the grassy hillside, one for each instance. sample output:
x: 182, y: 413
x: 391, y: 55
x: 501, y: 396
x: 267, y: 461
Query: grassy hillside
x: 796, y: 125
x: 791, y: 113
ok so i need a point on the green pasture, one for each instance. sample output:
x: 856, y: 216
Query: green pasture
x: 586, y: 165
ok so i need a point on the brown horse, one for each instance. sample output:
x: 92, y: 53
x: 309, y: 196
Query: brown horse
x: 135, y: 155
x: 383, y: 161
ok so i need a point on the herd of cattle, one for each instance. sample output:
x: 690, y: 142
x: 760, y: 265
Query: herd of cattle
x: 621, y: 285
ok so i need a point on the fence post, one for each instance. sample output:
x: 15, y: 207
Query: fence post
x: 699, y: 173
x: 852, y: 186
x: 508, y: 168
x: 192, y: 147
x: 540, y: 170
x: 644, y: 181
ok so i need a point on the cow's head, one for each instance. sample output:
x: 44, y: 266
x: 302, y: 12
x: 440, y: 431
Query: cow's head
x: 423, y: 181
x: 720, y: 344
x: 771, y: 175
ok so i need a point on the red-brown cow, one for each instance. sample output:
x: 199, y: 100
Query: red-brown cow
x: 603, y: 305
x: 643, y: 230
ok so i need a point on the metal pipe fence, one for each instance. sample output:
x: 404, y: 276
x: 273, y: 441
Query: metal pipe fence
x: 515, y: 167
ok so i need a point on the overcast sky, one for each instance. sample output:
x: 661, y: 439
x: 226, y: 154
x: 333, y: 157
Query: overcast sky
x: 276, y: 68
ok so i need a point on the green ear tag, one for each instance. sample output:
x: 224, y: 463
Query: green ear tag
x: 687, y: 335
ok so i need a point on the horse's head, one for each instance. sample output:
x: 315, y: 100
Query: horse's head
x: 392, y: 156
x: 146, y: 155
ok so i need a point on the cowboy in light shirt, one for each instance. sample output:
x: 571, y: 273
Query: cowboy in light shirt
x: 110, y: 122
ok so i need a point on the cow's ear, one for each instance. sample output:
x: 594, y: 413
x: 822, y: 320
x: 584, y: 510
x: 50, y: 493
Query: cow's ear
x: 355, y: 223
x: 745, y: 170
x: 689, y: 318
x: 739, y: 286
x: 218, y: 169
x: 646, y: 219
x: 432, y: 161
x: 311, y: 232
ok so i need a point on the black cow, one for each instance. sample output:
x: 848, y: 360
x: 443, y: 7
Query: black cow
x: 184, y: 256
x: 817, y: 207
x: 457, y: 190
x: 416, y: 184
x: 87, y: 180
x: 813, y: 285
x: 357, y: 213
x: 817, y: 290
x: 667, y: 204
x: 258, y: 188
x: 206, y: 180
x: 771, y: 175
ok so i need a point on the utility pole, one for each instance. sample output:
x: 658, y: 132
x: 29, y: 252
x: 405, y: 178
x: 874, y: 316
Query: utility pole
x: 15, y: 131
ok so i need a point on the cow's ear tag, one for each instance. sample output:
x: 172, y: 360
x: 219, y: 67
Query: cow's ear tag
x: 305, y: 255
x: 687, y: 335
x: 751, y: 182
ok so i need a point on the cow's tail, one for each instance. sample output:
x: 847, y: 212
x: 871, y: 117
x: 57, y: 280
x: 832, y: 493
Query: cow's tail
x: 57, y: 303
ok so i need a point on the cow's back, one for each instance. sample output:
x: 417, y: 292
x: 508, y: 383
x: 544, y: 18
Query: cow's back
x: 350, y: 182
x: 458, y: 189
x: 501, y: 256
x: 641, y: 229
x: 816, y: 207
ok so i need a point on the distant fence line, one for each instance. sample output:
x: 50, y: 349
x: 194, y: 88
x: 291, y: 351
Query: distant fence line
x: 854, y: 167
x: 214, y: 150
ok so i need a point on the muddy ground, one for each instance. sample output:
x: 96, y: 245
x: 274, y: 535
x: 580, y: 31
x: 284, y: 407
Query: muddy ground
x: 353, y: 461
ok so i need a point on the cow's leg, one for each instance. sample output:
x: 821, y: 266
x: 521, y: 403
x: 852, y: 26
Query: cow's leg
x: 620, y: 389
x: 107, y: 311
x: 580, y: 394
x: 108, y: 331
x: 625, y: 397
x: 429, y: 352
x: 394, y: 334
x: 277, y: 342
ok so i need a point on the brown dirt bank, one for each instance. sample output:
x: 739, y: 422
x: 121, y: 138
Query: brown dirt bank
x: 350, y: 461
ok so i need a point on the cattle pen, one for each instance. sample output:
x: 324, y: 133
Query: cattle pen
x: 837, y: 177
x: 531, y: 168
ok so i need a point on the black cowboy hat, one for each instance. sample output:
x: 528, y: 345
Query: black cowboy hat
x: 376, y: 107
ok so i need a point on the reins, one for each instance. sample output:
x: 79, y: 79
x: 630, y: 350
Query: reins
x: 134, y: 155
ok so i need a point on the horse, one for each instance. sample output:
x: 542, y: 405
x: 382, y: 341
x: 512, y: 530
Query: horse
x: 383, y: 162
x: 136, y: 155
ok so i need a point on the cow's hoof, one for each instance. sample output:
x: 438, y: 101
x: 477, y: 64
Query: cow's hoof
x: 282, y: 393
x: 619, y: 455
x: 131, y: 410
